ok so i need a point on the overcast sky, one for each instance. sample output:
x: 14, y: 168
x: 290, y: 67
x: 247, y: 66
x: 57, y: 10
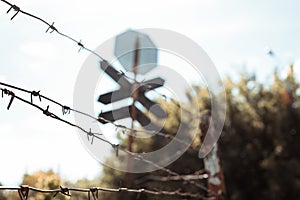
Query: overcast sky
x: 234, y: 33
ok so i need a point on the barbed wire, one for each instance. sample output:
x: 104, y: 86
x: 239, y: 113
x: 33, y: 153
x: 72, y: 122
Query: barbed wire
x: 54, y: 29
x: 51, y: 28
x: 201, y: 174
x: 50, y: 114
x: 67, y: 109
x: 93, y: 192
x: 89, y: 133
x: 170, y: 172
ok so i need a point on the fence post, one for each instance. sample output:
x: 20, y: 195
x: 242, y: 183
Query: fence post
x: 212, y: 162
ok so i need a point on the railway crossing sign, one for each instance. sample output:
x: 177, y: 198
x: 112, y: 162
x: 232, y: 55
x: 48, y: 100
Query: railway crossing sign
x: 125, y: 92
x: 137, y: 53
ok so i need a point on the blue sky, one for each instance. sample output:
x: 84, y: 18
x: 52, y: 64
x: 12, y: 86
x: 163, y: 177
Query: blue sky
x: 233, y: 33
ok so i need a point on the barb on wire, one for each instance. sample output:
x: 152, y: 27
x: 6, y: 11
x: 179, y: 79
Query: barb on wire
x: 16, y: 8
x: 66, y: 110
x: 24, y: 191
x: 52, y: 115
x: 63, y: 190
x: 80, y: 45
x: 51, y: 27
x: 36, y: 94
x: 94, y: 192
x: 90, y: 134
x: 9, y: 93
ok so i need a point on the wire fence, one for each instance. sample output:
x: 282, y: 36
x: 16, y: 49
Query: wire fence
x: 51, y: 28
x: 93, y: 193
x: 90, y: 135
x: 67, y: 109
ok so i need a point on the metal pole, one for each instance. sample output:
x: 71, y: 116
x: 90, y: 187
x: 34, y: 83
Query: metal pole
x: 212, y: 162
x: 134, y: 92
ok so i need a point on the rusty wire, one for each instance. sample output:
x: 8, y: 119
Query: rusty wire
x: 195, y: 176
x: 50, y: 28
x: 93, y: 192
x: 67, y: 109
x: 47, y: 112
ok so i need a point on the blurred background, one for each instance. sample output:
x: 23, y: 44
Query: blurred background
x: 253, y: 45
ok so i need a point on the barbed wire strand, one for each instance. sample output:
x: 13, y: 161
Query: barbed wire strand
x: 89, y: 133
x: 17, y: 9
x: 51, y: 28
x: 170, y: 172
x: 67, y: 109
x: 46, y: 111
x: 170, y: 178
x: 92, y: 192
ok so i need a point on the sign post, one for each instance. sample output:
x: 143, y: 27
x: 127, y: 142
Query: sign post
x: 134, y: 92
x: 136, y: 53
